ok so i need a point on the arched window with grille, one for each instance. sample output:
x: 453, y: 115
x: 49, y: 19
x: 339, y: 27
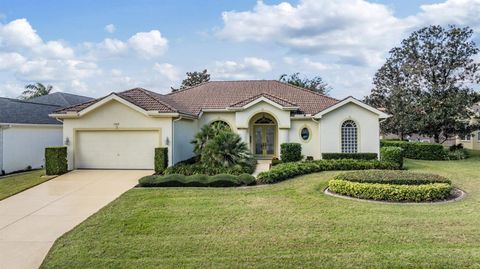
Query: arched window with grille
x: 220, y: 125
x: 349, y: 137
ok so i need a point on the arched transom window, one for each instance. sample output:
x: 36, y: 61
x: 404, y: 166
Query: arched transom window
x: 349, y: 137
x: 220, y: 125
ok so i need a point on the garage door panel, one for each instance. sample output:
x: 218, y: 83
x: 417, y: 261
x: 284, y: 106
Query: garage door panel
x: 116, y: 149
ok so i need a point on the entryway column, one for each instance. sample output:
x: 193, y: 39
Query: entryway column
x: 243, y: 133
x: 283, y: 137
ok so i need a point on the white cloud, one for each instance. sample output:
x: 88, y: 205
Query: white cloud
x: 149, y: 44
x: 19, y: 33
x: 11, y: 61
x: 167, y: 70
x: 113, y: 46
x: 56, y: 70
x: 110, y: 28
x: 248, y: 68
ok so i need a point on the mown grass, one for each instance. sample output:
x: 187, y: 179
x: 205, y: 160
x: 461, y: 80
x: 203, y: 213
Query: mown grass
x: 15, y: 183
x: 290, y: 224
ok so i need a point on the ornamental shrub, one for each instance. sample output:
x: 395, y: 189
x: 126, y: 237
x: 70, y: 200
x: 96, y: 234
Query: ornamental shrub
x: 391, y: 192
x: 285, y: 171
x: 176, y: 180
x: 56, y: 160
x: 290, y: 152
x: 399, y: 177
x: 161, y: 160
x: 392, y: 154
x: 418, y: 150
x: 356, y: 156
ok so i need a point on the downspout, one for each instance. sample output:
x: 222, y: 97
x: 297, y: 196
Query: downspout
x: 173, y: 135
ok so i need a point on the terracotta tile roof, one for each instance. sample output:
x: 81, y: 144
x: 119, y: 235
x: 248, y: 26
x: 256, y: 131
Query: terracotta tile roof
x: 223, y: 94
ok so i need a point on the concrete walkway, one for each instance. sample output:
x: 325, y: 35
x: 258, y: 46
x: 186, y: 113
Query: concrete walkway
x: 262, y: 166
x: 32, y: 220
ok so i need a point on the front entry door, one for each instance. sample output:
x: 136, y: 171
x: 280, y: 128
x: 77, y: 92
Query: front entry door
x: 264, y: 140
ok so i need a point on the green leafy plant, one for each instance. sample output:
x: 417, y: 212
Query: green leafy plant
x: 399, y: 177
x: 177, y: 180
x: 392, y: 154
x: 226, y: 149
x: 56, y: 160
x: 418, y: 150
x: 285, y: 171
x: 290, y: 152
x: 356, y: 156
x: 161, y: 160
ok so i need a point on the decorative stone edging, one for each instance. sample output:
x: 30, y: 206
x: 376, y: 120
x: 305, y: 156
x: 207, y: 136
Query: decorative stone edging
x: 458, y: 195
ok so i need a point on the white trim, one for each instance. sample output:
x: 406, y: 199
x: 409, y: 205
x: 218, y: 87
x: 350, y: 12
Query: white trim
x: 31, y: 124
x: 381, y: 115
x: 263, y: 99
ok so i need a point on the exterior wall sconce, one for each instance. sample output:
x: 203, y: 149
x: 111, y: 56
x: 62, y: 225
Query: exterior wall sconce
x: 167, y: 141
x: 67, y: 141
x: 116, y: 124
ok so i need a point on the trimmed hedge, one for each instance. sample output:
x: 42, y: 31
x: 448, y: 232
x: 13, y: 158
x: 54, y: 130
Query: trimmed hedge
x: 418, y: 150
x: 56, y: 160
x: 391, y: 192
x: 161, y: 160
x: 392, y: 154
x: 190, y: 167
x: 356, y: 156
x: 399, y: 177
x: 290, y: 152
x: 289, y: 170
x: 176, y: 180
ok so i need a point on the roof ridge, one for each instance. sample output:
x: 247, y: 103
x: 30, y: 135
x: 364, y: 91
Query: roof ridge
x: 307, y: 90
x: 149, y: 93
x: 189, y: 88
x: 263, y: 94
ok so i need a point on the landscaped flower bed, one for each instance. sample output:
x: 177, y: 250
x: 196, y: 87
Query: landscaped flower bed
x: 394, y: 186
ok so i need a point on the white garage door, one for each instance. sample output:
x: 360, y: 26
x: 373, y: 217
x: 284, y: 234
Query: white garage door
x: 116, y: 149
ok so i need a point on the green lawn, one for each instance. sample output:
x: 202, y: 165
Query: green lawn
x: 291, y: 224
x: 15, y: 183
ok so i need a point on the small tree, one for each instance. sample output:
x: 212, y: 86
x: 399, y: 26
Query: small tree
x: 226, y: 149
x: 36, y: 90
x: 193, y: 79
x: 315, y: 84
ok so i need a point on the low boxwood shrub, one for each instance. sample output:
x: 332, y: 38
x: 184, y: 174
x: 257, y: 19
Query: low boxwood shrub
x: 458, y: 154
x: 56, y: 160
x: 289, y: 170
x: 398, y: 177
x: 356, y: 156
x: 187, y: 168
x: 418, y: 150
x: 161, y: 160
x: 177, y: 180
x: 391, y: 192
x: 392, y: 154
x: 290, y: 152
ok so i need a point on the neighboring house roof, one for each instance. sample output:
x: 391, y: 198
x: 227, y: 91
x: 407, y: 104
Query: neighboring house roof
x: 221, y: 95
x: 61, y: 99
x: 15, y: 111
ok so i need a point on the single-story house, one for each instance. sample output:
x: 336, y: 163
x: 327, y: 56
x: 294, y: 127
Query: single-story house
x: 121, y: 130
x: 26, y: 129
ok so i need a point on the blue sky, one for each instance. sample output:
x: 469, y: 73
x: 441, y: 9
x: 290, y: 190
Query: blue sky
x: 96, y: 47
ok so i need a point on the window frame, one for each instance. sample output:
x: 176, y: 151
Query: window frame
x: 344, y: 147
x: 309, y: 134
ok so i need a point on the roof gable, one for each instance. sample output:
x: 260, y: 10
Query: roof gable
x: 348, y: 100
x: 264, y: 97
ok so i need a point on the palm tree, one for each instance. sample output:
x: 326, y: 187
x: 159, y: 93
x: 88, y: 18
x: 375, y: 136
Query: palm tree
x: 36, y: 90
x: 226, y: 149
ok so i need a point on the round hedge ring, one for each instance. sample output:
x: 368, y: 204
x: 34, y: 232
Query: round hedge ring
x: 393, y: 186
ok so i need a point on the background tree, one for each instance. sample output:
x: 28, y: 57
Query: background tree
x: 397, y: 94
x: 36, y: 90
x: 436, y: 65
x: 193, y: 78
x: 315, y: 84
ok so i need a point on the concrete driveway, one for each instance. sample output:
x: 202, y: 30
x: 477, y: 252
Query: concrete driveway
x: 32, y: 220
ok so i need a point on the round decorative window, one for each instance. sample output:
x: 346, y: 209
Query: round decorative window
x: 305, y: 133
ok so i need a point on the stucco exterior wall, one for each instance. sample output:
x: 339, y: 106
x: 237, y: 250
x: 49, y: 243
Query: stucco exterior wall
x: 114, y: 115
x: 24, y: 145
x: 473, y: 143
x: 209, y: 117
x: 311, y: 146
x: 368, y: 129
x: 183, y: 132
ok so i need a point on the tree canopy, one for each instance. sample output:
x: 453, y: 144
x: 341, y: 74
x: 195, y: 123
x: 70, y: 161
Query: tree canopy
x: 427, y: 84
x: 36, y: 90
x: 193, y: 78
x: 315, y: 84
